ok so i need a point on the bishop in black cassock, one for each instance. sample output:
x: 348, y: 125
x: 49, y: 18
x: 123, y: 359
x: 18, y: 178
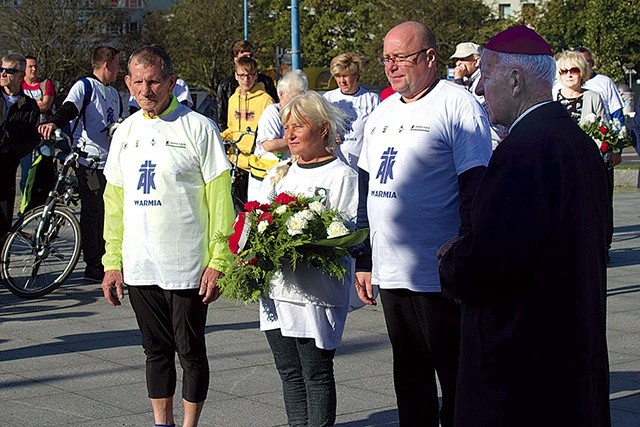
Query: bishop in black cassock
x: 531, y: 275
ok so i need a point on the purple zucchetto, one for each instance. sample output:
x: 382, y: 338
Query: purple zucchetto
x: 519, y: 40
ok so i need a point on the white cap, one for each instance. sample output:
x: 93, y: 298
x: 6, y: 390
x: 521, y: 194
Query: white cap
x: 466, y: 49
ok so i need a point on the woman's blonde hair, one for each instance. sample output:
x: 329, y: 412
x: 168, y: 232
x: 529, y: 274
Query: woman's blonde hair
x: 311, y: 107
x: 568, y: 59
x: 346, y: 63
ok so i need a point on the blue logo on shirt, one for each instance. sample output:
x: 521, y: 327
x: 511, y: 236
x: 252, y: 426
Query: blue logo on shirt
x: 147, y: 175
x: 385, y: 171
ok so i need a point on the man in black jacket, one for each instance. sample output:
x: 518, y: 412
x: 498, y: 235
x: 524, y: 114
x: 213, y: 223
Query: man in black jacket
x: 229, y: 85
x: 18, y: 134
x: 531, y: 273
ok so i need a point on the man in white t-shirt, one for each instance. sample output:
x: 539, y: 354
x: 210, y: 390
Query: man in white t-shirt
x: 425, y: 150
x: 90, y: 108
x: 167, y: 202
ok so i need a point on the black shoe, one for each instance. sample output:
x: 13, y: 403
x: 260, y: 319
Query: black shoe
x: 94, y: 274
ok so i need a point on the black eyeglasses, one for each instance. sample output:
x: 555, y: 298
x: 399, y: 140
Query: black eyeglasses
x: 400, y: 59
x: 10, y: 70
x: 574, y: 70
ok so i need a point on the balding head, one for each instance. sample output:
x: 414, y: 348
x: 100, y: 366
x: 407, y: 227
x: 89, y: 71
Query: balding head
x: 410, y: 59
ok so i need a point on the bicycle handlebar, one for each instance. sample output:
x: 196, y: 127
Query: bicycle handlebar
x: 77, y: 151
x: 244, y: 133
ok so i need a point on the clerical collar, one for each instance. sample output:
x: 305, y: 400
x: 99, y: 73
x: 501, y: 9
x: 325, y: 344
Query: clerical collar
x: 527, y: 111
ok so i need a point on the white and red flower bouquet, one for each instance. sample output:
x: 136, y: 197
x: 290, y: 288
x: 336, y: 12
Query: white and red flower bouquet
x: 291, y: 229
x: 610, y: 136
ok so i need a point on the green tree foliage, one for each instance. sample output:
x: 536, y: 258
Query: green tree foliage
x: 609, y: 28
x: 60, y: 33
x: 612, y: 29
x: 452, y: 21
x: 562, y: 23
x: 327, y: 28
x: 198, y: 34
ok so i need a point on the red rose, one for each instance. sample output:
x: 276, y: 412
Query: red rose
x: 603, y: 130
x: 604, y: 147
x: 265, y: 207
x: 251, y: 206
x: 266, y: 216
x: 284, y: 199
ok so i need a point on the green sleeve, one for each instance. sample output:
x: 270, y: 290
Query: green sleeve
x: 113, y: 227
x: 221, y: 216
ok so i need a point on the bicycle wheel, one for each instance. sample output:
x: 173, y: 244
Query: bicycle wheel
x: 31, y: 269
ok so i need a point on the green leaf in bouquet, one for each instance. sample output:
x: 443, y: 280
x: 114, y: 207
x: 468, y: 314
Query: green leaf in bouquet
x: 347, y: 241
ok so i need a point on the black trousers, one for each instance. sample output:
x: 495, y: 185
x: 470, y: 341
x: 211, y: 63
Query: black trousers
x: 170, y: 322
x: 424, y: 329
x: 8, y: 169
x: 91, y: 185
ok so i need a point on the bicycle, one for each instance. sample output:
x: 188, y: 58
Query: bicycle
x: 239, y: 177
x: 43, y: 246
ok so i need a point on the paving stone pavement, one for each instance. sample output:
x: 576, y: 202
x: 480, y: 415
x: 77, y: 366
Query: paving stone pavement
x: 70, y: 359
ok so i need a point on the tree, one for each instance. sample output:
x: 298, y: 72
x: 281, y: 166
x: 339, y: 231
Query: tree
x: 562, y: 23
x: 198, y: 35
x: 327, y: 28
x: 60, y: 33
x: 611, y: 30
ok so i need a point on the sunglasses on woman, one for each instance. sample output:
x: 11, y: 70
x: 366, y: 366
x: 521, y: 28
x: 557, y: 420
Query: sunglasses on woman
x: 574, y: 70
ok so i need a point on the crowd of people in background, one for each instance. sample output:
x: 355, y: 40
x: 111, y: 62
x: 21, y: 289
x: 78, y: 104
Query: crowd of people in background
x: 489, y: 209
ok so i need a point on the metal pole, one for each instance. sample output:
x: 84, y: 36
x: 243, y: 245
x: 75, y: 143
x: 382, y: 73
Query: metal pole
x: 295, y: 36
x: 246, y: 20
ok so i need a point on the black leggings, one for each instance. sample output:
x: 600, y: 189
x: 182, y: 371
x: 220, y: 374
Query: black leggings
x: 170, y: 322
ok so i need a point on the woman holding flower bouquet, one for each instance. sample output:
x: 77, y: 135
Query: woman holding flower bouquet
x: 306, y: 310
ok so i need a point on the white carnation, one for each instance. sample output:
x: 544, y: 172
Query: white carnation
x: 337, y: 229
x: 262, y: 226
x: 317, y: 207
x: 281, y: 209
x: 590, y: 118
x: 295, y: 225
x: 305, y: 214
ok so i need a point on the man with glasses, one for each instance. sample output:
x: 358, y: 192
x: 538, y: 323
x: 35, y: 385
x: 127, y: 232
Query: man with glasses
x: 228, y: 86
x: 245, y: 108
x: 91, y: 107
x: 167, y: 202
x: 18, y: 133
x: 425, y: 150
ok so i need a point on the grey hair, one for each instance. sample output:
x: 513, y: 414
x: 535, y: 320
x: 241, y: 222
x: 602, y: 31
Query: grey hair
x: 311, y: 107
x: 293, y: 83
x: 152, y: 55
x: 541, y: 68
x: 20, y: 60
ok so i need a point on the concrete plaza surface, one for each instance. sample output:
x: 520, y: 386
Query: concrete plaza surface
x: 70, y: 359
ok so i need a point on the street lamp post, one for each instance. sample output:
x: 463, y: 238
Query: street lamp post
x: 246, y: 19
x: 295, y: 35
